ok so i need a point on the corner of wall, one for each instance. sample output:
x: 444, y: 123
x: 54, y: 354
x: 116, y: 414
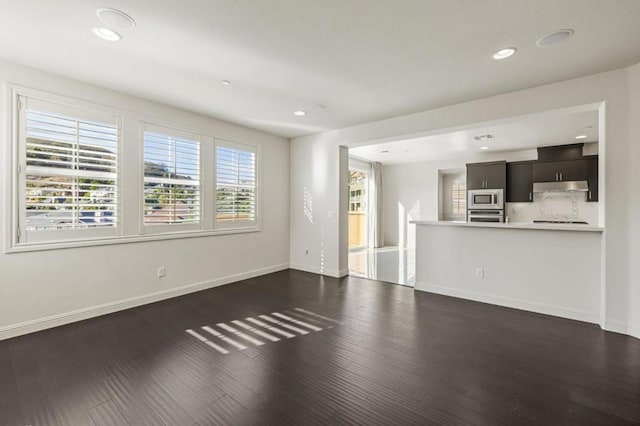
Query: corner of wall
x: 633, y: 81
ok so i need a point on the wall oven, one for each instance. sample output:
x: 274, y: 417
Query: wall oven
x: 490, y: 216
x: 485, y: 199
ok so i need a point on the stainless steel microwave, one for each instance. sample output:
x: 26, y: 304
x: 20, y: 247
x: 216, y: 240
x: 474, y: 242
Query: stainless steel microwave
x: 485, y: 199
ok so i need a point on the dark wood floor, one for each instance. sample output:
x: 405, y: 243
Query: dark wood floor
x: 395, y: 357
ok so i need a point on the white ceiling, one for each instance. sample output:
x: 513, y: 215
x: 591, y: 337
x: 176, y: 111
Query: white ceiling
x: 365, y: 59
x: 544, y: 129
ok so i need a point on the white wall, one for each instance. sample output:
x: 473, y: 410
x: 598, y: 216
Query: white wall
x: 315, y: 221
x: 355, y: 163
x: 45, y: 288
x: 524, y: 269
x: 410, y: 193
x: 634, y: 199
x: 315, y: 167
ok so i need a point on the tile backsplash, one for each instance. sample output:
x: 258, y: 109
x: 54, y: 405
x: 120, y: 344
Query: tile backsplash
x: 554, y: 206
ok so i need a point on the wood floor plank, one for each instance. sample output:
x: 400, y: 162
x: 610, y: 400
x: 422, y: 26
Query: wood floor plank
x: 107, y: 414
x: 10, y: 412
x: 372, y: 353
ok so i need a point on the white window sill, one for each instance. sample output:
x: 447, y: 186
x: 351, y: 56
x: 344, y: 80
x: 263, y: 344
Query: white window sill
x: 90, y: 242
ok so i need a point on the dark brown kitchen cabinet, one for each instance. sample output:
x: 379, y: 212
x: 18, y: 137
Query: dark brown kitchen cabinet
x: 519, y: 182
x: 561, y: 152
x: 592, y: 177
x: 475, y: 176
x: 573, y: 170
x: 559, y: 171
x: 487, y: 175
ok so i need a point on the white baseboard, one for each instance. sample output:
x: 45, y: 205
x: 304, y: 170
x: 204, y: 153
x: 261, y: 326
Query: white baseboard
x: 316, y: 270
x: 107, y: 308
x: 616, y: 327
x: 508, y: 302
x: 305, y: 268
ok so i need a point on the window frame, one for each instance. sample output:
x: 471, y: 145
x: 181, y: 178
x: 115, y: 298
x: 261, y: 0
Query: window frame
x: 129, y: 177
x: 56, y: 105
x: 254, y: 224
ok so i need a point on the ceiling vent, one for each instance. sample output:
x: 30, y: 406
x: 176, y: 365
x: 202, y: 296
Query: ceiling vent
x: 483, y: 137
x: 116, y: 18
x: 555, y: 38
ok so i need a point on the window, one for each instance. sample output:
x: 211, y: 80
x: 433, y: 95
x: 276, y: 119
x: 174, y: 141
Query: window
x: 459, y: 198
x: 235, y: 184
x: 171, y: 178
x: 78, y: 180
x: 357, y: 183
x: 68, y: 180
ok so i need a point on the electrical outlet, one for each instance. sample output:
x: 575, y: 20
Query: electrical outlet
x: 480, y: 273
x: 162, y: 271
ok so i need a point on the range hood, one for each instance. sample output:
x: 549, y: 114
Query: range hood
x: 568, y: 186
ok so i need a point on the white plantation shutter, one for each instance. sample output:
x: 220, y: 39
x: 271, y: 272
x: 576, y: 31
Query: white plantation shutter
x: 67, y: 187
x: 459, y: 198
x: 70, y: 178
x: 236, y: 184
x: 171, y: 179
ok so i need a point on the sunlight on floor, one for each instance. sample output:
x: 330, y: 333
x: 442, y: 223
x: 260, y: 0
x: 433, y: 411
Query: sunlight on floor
x: 392, y: 264
x: 302, y: 319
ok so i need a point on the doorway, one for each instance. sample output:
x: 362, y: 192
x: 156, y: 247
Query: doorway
x: 369, y: 257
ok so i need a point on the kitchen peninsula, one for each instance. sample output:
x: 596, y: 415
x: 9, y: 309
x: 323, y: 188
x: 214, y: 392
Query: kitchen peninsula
x: 553, y: 269
x: 513, y: 225
x: 537, y: 248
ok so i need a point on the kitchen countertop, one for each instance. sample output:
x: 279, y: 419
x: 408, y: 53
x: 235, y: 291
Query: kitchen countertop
x: 513, y: 225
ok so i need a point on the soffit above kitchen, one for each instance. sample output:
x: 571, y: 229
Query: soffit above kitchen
x: 486, y: 143
x: 342, y: 63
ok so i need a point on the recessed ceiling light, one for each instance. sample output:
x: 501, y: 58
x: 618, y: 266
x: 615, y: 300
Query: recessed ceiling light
x: 484, y: 147
x: 504, y: 53
x: 300, y: 113
x: 106, y: 34
x: 384, y: 151
x: 225, y: 83
x: 581, y: 137
x: 554, y: 38
x: 116, y: 18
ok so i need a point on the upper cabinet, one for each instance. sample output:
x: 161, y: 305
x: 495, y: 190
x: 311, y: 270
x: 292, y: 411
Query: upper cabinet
x: 559, y: 171
x: 560, y: 152
x: 592, y: 177
x: 519, y: 182
x: 475, y: 176
x: 561, y: 163
x: 487, y: 175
